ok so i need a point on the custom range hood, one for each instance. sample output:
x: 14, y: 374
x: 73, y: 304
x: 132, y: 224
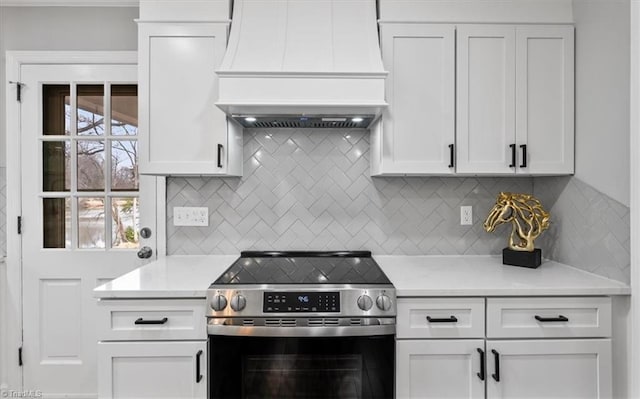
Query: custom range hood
x: 302, y: 63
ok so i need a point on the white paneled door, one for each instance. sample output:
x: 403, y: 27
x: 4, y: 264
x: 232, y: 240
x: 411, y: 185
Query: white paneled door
x: 83, y: 205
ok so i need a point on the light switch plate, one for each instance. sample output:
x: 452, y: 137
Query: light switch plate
x: 190, y: 216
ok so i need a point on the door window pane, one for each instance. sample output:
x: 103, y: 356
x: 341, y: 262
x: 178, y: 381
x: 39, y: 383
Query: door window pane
x: 56, y: 214
x: 56, y: 159
x: 95, y: 168
x: 124, y: 110
x: 90, y: 114
x: 125, y: 212
x: 90, y: 165
x: 91, y: 228
x: 124, y: 165
x: 56, y: 110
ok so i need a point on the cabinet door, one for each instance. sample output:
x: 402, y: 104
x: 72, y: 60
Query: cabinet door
x: 181, y: 129
x: 485, y: 99
x: 545, y: 99
x: 419, y: 125
x: 577, y: 369
x: 439, y: 369
x: 159, y: 369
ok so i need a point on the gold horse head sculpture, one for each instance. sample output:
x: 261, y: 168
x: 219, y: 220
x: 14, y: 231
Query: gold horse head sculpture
x: 527, y: 216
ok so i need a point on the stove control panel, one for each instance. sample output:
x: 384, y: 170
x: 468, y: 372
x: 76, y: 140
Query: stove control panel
x: 250, y: 301
x: 301, y: 302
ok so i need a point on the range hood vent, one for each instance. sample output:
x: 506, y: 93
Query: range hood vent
x: 313, y: 122
x: 315, y: 59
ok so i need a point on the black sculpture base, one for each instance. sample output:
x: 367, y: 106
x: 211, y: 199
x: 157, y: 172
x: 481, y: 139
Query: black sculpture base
x: 521, y: 258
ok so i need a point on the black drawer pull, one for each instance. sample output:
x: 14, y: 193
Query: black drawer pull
x: 513, y: 155
x: 551, y: 319
x: 481, y: 374
x: 451, y: 155
x: 143, y: 321
x: 451, y: 319
x: 496, y: 358
x: 524, y: 156
x: 220, y: 148
x: 198, y: 374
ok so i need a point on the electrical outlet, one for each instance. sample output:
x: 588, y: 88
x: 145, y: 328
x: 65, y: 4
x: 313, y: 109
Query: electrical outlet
x: 190, y: 216
x: 466, y: 215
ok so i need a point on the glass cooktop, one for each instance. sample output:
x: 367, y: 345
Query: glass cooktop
x: 303, y: 267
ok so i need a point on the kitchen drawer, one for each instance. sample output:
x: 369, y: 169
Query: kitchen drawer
x: 555, y: 317
x: 440, y: 318
x: 151, y: 319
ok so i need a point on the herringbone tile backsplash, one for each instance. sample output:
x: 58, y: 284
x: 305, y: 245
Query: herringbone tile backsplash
x: 589, y: 230
x: 311, y: 189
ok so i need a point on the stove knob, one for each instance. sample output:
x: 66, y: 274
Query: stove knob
x: 238, y: 302
x: 218, y: 302
x: 383, y: 302
x: 365, y: 302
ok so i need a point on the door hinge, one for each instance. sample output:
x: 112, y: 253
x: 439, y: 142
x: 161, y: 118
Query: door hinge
x: 18, y: 90
x: 20, y: 356
x: 19, y: 224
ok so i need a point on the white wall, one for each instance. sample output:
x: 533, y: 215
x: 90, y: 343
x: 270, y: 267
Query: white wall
x: 55, y: 28
x: 602, y: 95
x: 62, y: 28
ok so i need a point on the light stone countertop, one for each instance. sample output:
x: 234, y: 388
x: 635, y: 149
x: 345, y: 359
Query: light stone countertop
x: 189, y: 276
x: 487, y: 276
x: 179, y: 276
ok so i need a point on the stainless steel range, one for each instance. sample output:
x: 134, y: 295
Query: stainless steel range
x: 302, y: 325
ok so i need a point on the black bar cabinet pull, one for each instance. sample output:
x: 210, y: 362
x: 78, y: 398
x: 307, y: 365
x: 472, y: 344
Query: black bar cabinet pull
x: 513, y: 155
x: 143, y: 321
x: 450, y: 319
x: 551, y: 319
x: 198, y: 375
x: 451, y: 155
x: 481, y: 374
x: 524, y: 156
x: 220, y: 148
x: 496, y: 357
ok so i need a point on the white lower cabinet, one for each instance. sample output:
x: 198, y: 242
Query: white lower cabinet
x: 160, y: 369
x: 439, y: 369
x: 561, y: 348
x: 576, y: 368
x: 152, y: 348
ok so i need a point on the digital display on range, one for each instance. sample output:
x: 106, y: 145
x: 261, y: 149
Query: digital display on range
x: 298, y: 302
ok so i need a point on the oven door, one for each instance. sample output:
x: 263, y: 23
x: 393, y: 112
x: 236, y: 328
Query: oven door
x: 255, y: 367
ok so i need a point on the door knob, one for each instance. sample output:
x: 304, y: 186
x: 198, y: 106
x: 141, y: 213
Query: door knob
x: 145, y: 253
x: 145, y: 232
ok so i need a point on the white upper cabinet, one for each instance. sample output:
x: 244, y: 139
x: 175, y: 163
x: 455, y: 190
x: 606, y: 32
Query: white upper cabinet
x: 182, y: 132
x: 545, y: 99
x: 515, y: 100
x: 486, y: 99
x: 475, y: 99
x: 418, y: 131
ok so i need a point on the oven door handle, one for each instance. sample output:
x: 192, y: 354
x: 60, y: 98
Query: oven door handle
x: 320, y: 331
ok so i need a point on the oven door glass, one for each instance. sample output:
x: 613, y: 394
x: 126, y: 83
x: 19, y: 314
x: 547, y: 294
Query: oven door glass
x: 319, y: 368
